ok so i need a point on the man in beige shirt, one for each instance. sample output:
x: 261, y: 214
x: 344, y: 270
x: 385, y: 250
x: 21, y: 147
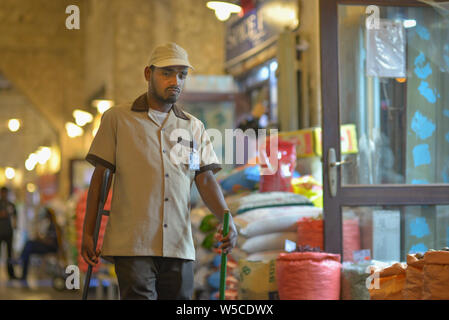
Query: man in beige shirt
x: 156, y: 151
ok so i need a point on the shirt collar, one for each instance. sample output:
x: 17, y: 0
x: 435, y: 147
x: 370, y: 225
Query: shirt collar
x: 141, y: 105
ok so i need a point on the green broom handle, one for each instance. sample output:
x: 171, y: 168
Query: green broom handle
x: 224, y: 258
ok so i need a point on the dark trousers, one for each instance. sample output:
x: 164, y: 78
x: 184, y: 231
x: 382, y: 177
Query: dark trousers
x: 34, y: 247
x: 8, y: 240
x: 151, y: 278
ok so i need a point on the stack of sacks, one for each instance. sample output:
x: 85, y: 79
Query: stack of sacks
x: 414, y: 277
x: 436, y: 275
x: 271, y: 200
x: 389, y: 284
x: 263, y: 231
x: 233, y: 200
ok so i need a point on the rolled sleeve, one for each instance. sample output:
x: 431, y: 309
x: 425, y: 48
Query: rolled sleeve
x: 102, y: 149
x: 208, y: 158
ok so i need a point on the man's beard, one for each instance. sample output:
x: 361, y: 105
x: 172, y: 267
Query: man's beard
x: 170, y: 100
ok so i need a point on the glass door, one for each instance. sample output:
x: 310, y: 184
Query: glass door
x: 385, y: 75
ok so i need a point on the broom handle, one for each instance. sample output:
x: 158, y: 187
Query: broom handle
x: 224, y: 258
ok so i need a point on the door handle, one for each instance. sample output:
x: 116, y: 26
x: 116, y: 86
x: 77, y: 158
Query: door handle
x: 332, y: 170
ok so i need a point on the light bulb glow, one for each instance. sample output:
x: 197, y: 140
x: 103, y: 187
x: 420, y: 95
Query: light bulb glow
x: 82, y: 117
x: 223, y: 10
x: 31, y: 187
x: 73, y: 130
x: 10, y: 173
x: 43, y: 155
x: 13, y: 125
x: 103, y: 105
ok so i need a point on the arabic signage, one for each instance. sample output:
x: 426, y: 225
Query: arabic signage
x: 258, y: 29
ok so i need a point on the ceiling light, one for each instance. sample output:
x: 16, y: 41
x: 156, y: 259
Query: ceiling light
x: 82, y: 117
x: 102, y: 105
x: 10, y: 173
x: 73, y: 130
x: 223, y: 9
x: 14, y: 125
x: 43, y: 155
x: 31, y: 187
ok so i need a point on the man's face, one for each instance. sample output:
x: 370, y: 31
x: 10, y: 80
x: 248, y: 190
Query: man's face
x: 166, y: 83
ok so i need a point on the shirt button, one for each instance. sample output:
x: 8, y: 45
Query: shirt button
x: 165, y: 226
x: 166, y: 175
x: 166, y: 199
x: 163, y: 150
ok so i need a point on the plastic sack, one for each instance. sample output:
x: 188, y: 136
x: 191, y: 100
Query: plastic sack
x: 271, y: 200
x: 258, y: 280
x: 267, y: 242
x: 353, y: 281
x: 311, y: 232
x: 414, y: 278
x: 385, y: 50
x: 310, y: 188
x: 436, y: 275
x: 391, y: 282
x: 269, y: 220
x: 281, y: 179
x: 308, y: 276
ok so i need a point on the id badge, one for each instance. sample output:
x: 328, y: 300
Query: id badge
x: 194, y: 161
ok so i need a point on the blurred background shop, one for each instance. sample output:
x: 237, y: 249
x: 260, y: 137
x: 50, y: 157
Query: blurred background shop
x: 358, y: 94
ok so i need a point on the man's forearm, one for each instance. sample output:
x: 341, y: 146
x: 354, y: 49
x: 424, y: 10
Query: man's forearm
x: 211, y: 194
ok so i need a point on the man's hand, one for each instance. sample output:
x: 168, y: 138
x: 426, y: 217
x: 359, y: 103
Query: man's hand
x: 87, y: 251
x: 230, y: 241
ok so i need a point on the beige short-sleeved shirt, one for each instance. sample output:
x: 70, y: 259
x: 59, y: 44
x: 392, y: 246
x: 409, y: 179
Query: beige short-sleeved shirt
x: 150, y: 209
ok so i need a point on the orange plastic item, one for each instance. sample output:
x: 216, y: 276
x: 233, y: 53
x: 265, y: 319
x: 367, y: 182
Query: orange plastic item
x: 310, y: 232
x: 281, y: 179
x: 79, y: 221
x: 308, y: 276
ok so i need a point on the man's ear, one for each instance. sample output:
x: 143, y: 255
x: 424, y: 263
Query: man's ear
x: 147, y: 73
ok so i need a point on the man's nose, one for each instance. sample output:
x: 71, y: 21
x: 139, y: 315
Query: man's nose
x: 174, y: 80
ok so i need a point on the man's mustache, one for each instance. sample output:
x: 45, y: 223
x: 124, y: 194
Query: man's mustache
x: 174, y: 88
